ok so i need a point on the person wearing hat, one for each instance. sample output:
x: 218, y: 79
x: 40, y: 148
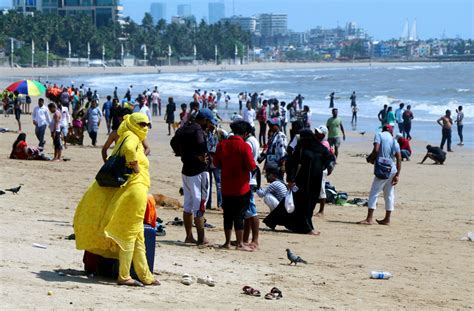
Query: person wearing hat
x: 336, y: 130
x: 276, y: 151
x: 385, y: 149
x: 321, y: 133
x: 190, y: 144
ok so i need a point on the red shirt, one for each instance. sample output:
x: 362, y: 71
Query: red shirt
x: 404, y: 144
x: 234, y: 157
x: 19, y: 152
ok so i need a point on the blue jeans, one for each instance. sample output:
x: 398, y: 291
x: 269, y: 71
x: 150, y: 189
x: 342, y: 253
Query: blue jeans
x: 39, y: 131
x: 217, y: 177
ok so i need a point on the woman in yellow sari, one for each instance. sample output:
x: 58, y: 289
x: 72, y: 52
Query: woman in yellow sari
x: 109, y: 221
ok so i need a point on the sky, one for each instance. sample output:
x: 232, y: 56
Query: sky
x: 382, y: 19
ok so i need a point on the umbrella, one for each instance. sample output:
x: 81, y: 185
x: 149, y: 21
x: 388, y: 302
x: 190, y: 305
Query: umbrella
x: 27, y: 87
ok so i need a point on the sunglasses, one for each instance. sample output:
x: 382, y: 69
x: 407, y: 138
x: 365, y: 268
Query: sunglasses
x: 144, y: 124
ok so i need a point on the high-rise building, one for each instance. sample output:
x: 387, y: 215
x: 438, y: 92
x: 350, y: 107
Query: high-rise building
x: 101, y: 12
x: 184, y: 10
x: 272, y: 24
x: 245, y: 23
x: 158, y: 11
x: 216, y: 12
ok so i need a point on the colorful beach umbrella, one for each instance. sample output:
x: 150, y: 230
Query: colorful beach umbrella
x: 27, y: 87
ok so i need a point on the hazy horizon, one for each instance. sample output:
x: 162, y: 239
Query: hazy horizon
x: 382, y: 19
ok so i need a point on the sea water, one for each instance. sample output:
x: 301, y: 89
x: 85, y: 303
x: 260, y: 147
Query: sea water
x: 429, y: 88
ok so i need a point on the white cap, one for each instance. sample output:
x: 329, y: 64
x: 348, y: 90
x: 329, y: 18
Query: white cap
x: 322, y: 129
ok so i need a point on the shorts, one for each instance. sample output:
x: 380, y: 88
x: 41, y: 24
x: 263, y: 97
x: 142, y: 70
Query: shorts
x: 322, y: 193
x: 64, y: 130
x: 196, y: 193
x: 252, y: 209
x: 17, y: 114
x: 235, y: 208
x: 57, y: 141
x: 334, y: 141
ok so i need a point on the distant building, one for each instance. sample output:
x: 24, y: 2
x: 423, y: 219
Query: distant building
x: 245, y: 23
x: 101, y: 12
x: 184, y: 10
x: 272, y: 24
x: 158, y: 11
x: 216, y: 12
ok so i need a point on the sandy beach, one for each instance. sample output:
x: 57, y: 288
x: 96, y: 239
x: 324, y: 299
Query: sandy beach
x: 432, y: 267
x: 8, y: 73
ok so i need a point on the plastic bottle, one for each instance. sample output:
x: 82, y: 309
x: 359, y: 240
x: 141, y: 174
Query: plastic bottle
x: 380, y: 275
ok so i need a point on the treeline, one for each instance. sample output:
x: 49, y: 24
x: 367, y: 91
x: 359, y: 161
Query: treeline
x: 79, y: 30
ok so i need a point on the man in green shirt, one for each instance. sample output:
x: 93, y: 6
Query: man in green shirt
x: 336, y: 130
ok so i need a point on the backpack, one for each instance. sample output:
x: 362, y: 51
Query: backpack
x: 331, y: 193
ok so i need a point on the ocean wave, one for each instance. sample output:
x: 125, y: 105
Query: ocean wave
x: 320, y: 77
x: 415, y: 67
x: 463, y: 90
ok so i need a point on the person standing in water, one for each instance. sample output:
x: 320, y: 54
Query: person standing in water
x: 331, y: 100
x: 459, y: 118
x: 353, y: 99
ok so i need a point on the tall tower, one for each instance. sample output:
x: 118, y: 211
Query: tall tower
x: 216, y: 12
x: 158, y: 11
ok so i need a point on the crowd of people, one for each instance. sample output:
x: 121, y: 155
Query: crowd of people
x: 293, y: 155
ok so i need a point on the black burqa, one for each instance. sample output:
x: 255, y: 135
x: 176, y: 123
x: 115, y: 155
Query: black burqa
x: 305, y: 167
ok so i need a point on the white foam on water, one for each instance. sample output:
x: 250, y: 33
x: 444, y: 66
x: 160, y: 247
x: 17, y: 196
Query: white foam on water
x: 415, y: 67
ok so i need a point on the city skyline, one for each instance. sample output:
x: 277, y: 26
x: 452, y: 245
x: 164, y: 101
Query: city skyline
x: 382, y: 19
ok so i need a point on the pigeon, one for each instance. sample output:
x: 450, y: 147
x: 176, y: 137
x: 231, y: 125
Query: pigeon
x: 362, y: 133
x: 2, y: 192
x: 14, y: 190
x: 293, y: 258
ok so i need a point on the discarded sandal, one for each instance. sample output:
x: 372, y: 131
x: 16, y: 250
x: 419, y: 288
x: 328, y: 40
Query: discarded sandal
x: 247, y: 290
x: 207, y: 280
x: 186, y: 279
x: 274, y: 293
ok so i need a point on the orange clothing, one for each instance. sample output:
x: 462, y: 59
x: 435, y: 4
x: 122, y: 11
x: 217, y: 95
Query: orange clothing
x: 150, y: 213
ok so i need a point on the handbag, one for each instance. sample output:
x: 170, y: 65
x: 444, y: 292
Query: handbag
x: 114, y: 172
x: 382, y: 166
x: 289, y: 203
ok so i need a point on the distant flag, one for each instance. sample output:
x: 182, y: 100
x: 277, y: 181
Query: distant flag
x: 144, y: 50
x: 69, y: 49
x: 194, y: 50
x: 32, y: 46
x: 88, y: 49
x: 215, y: 50
x: 169, y: 50
x: 236, y: 50
x: 47, y: 47
x: 121, y: 50
x: 103, y: 49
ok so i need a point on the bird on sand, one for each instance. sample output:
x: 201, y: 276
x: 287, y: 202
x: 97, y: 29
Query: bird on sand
x: 294, y: 258
x: 14, y: 190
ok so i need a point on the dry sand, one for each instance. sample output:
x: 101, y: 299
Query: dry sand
x: 432, y: 268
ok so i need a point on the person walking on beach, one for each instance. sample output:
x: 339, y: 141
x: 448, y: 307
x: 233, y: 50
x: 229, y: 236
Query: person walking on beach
x: 390, y: 117
x: 354, y: 115
x: 169, y: 114
x: 65, y: 123
x: 41, y: 120
x: 262, y: 117
x: 336, y: 130
x: 382, y: 115
x: 115, y: 93
x: 106, y: 112
x: 446, y: 123
x: 144, y: 108
x: 399, y: 118
x: 190, y: 144
x: 17, y: 109
x: 249, y: 114
x: 55, y: 127
x: 386, y: 150
x: 234, y: 158
x: 331, y: 100
x: 459, y: 123
x: 156, y: 102
x: 407, y: 117
x: 93, y: 117
x: 353, y: 99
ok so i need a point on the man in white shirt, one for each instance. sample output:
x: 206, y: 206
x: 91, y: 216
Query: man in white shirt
x: 399, y: 118
x: 249, y: 114
x: 144, y: 108
x: 65, y: 123
x: 41, y: 120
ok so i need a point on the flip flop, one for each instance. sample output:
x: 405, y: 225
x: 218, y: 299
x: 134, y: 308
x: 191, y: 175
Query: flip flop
x: 186, y: 279
x: 247, y: 290
x: 274, y: 293
x: 134, y: 283
x: 206, y: 280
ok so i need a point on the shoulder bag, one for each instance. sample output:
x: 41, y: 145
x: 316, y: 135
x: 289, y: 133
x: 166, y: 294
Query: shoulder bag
x: 114, y: 172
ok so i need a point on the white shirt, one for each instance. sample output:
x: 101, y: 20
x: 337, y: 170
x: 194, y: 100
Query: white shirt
x: 399, y: 115
x: 249, y: 116
x: 65, y: 117
x: 155, y: 96
x: 253, y: 143
x: 146, y: 110
x: 41, y: 116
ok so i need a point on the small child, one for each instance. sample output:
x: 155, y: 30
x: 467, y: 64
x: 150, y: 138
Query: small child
x: 275, y: 192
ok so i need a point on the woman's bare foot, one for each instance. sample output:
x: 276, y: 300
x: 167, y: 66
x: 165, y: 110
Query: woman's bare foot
x: 314, y: 233
x: 253, y: 245
x: 244, y: 248
x: 190, y: 241
x: 383, y: 222
x: 154, y: 283
x: 131, y: 282
x: 204, y: 242
x: 366, y: 222
x: 225, y: 246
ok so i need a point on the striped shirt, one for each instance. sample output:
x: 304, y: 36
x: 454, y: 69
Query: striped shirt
x: 277, y: 188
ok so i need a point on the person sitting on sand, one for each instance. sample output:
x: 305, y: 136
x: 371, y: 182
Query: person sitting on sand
x: 275, y: 192
x: 385, y: 148
x: 234, y: 157
x: 304, y: 169
x: 436, y: 154
x: 109, y: 221
x: 21, y: 151
x: 405, y: 148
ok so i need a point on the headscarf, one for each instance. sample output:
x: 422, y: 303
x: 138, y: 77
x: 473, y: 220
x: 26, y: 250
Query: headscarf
x: 130, y: 123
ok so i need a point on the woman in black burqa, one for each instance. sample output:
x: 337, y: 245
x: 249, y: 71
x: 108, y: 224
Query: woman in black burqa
x: 304, y: 169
